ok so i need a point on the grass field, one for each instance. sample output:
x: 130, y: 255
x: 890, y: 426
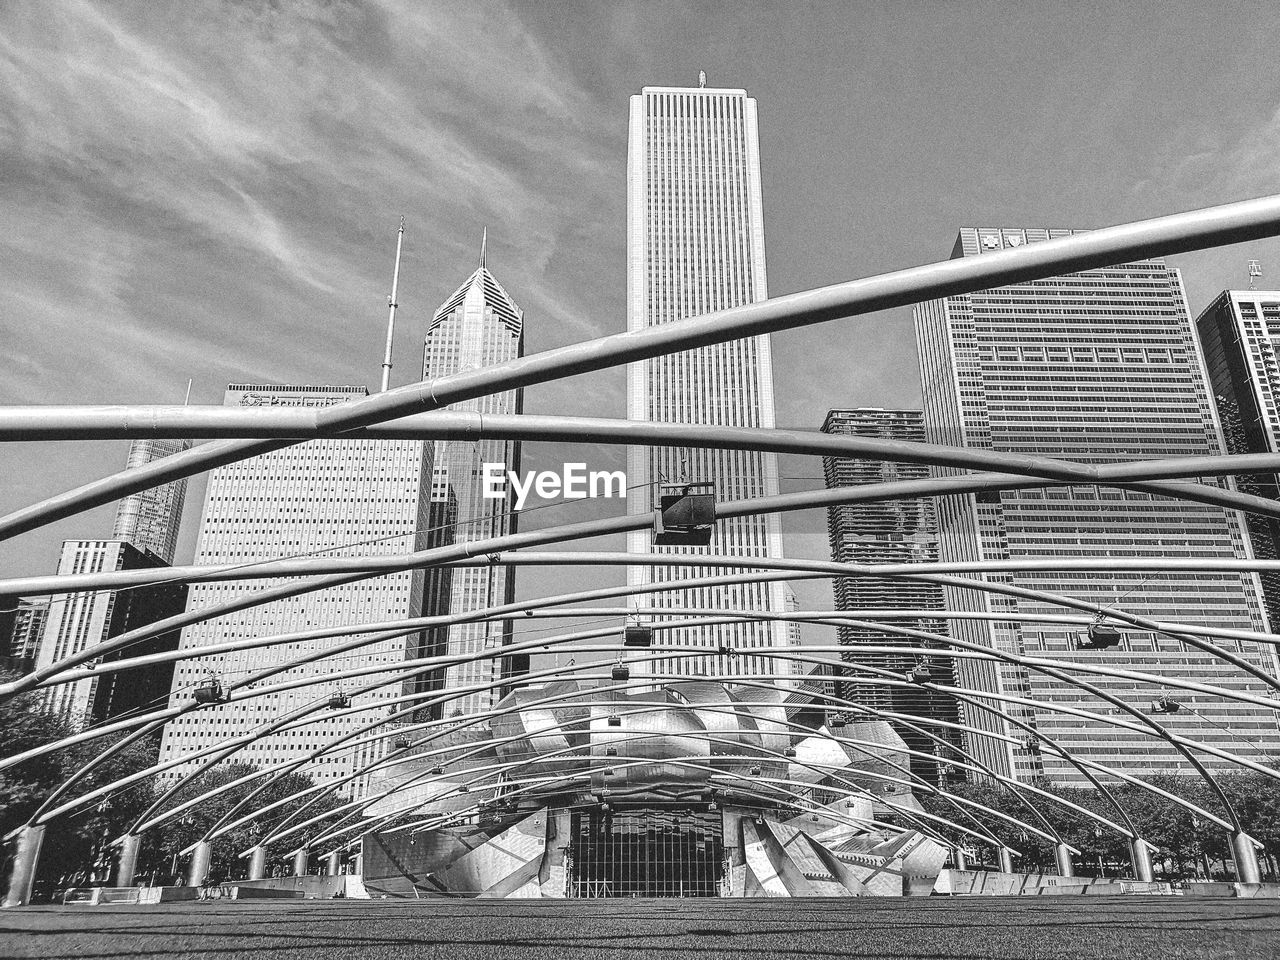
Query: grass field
x: 1087, y: 928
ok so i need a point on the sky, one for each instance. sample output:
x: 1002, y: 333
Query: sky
x: 211, y: 190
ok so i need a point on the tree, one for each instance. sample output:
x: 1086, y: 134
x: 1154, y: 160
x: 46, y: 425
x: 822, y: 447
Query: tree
x: 76, y: 848
x: 1181, y: 840
x: 191, y: 826
x: 75, y: 851
x: 24, y: 725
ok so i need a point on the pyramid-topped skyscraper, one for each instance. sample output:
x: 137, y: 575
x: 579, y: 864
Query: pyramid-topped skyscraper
x: 478, y: 326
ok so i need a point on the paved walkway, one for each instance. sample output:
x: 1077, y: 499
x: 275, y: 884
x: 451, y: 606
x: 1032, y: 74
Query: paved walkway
x: 1132, y: 928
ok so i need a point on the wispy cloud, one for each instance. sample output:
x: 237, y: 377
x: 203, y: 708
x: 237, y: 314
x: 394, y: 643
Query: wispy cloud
x: 211, y: 190
x: 1207, y: 163
x: 251, y: 151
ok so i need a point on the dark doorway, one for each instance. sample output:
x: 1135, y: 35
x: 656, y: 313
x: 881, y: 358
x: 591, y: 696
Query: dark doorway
x: 646, y: 852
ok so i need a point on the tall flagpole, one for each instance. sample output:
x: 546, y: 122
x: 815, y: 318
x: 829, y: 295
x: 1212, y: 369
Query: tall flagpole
x: 391, y: 304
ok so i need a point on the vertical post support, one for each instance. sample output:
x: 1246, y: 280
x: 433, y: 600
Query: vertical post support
x: 127, y: 860
x: 198, y: 869
x: 26, y: 859
x: 258, y: 863
x: 1246, y: 855
x: 333, y: 863
x: 300, y: 859
x: 1005, y: 858
x: 1062, y: 856
x: 1140, y: 856
x: 959, y: 859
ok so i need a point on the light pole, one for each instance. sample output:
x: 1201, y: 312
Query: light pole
x: 1201, y: 858
x: 1097, y: 837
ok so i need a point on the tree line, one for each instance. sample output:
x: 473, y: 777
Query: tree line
x: 77, y: 849
x: 1186, y: 846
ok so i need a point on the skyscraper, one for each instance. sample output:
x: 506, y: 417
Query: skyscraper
x: 21, y: 624
x: 1097, y: 366
x: 149, y: 519
x: 77, y: 621
x: 888, y: 531
x: 1240, y: 332
x: 145, y: 535
x: 695, y: 244
x: 478, y: 326
x: 331, y: 497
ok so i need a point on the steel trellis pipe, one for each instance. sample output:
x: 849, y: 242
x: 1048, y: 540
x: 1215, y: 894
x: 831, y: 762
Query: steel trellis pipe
x: 434, y: 664
x: 499, y: 769
x: 1193, y: 230
x: 570, y: 698
x: 825, y: 697
x: 815, y: 567
x: 630, y: 558
x: 552, y: 535
x: 1180, y: 801
x: 811, y: 499
x: 216, y: 748
x: 945, y: 689
x: 817, y: 618
x: 699, y: 651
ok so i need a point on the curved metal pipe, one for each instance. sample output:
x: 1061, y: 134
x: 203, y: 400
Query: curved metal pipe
x: 434, y: 663
x: 802, y: 500
x: 1089, y: 813
x: 501, y: 768
x: 908, y: 571
x: 1229, y: 223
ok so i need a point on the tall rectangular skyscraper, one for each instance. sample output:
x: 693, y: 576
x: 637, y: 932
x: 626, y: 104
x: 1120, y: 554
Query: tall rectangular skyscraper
x: 331, y: 497
x: 478, y: 326
x: 145, y: 535
x: 78, y: 621
x: 889, y: 531
x: 1098, y: 366
x: 695, y: 244
x: 1240, y: 333
x: 149, y: 519
x: 27, y: 627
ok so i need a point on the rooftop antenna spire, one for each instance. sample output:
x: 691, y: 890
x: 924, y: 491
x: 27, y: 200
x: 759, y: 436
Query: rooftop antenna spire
x: 1255, y: 271
x: 391, y: 305
x: 484, y: 245
x: 187, y: 402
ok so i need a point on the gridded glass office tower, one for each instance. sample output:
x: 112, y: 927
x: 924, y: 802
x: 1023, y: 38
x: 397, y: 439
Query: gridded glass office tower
x: 27, y: 623
x: 77, y: 621
x: 1098, y: 366
x: 330, y: 497
x: 478, y: 326
x: 889, y: 531
x: 695, y: 244
x: 149, y: 519
x: 1240, y: 333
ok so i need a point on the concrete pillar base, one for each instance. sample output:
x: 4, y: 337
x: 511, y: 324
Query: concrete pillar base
x: 26, y: 859
x: 127, y: 860
x: 1062, y: 856
x: 1246, y: 854
x: 300, y: 862
x: 258, y: 863
x: 1140, y: 855
x: 1005, y: 858
x: 959, y: 859
x: 333, y: 863
x: 198, y: 869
